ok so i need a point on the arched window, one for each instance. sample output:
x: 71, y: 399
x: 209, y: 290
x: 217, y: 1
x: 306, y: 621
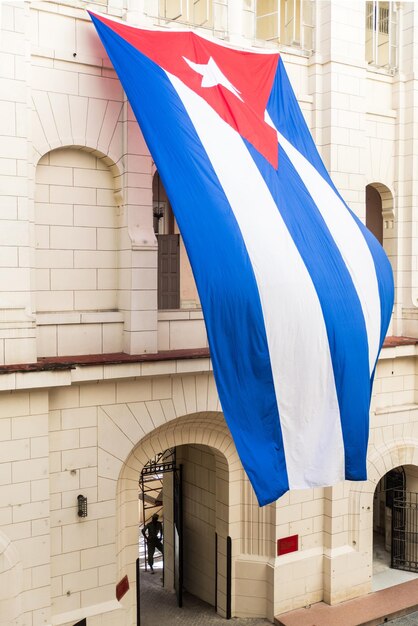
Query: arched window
x: 374, y: 217
x: 176, y: 286
x: 168, y: 248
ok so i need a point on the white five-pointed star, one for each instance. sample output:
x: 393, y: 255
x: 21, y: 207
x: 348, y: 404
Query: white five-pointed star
x: 212, y: 76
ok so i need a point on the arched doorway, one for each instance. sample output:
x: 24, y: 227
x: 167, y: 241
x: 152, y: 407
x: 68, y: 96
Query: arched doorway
x: 211, y: 469
x: 190, y: 501
x: 395, y: 527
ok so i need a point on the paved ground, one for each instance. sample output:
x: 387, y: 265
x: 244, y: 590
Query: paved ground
x: 159, y: 608
x: 408, y: 620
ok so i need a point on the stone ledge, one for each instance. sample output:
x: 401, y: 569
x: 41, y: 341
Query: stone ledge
x: 73, y: 361
x: 119, y: 358
x: 370, y: 610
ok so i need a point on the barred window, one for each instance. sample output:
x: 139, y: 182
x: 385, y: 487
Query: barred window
x: 382, y: 34
x: 289, y: 22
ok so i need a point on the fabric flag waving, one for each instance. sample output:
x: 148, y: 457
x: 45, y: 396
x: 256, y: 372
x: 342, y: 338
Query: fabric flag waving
x: 296, y: 292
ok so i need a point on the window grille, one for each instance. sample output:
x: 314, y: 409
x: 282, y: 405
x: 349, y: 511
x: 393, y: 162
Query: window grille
x: 382, y: 34
x: 288, y: 22
x: 384, y: 20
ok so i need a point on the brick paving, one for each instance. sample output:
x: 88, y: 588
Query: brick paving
x: 159, y: 608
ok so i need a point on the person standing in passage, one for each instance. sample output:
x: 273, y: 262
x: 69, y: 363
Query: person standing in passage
x: 153, y: 533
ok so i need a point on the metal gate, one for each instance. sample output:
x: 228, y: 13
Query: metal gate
x: 150, y: 493
x: 405, y: 531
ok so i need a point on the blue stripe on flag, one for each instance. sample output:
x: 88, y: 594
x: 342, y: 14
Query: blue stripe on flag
x: 287, y: 116
x: 384, y: 277
x: 221, y: 266
x: 340, y: 305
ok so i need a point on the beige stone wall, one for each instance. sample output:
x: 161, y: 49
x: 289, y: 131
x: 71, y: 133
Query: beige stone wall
x: 17, y: 324
x: 77, y: 101
x: 76, y: 255
x: 76, y: 231
x: 25, y: 506
x: 199, y: 520
x: 411, y: 476
x: 78, y: 104
x: 91, y: 434
x: 11, y: 583
x: 78, y: 274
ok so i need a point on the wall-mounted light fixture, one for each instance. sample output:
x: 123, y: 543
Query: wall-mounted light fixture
x: 82, y: 505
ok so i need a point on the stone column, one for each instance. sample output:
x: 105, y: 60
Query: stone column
x: 138, y: 244
x: 337, y: 74
x: 17, y: 324
x: 406, y: 105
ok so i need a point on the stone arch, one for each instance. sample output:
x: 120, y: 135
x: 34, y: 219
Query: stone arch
x: 203, y: 428
x: 76, y: 239
x: 114, y: 166
x: 60, y: 120
x: 381, y: 214
x: 386, y: 197
x: 382, y: 459
x: 73, y: 186
x: 11, y: 582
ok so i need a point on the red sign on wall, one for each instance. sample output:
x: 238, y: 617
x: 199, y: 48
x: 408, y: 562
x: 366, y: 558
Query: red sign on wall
x: 287, y: 544
x: 122, y: 587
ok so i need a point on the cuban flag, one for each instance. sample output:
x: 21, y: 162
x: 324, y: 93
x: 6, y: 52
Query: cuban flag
x: 296, y: 292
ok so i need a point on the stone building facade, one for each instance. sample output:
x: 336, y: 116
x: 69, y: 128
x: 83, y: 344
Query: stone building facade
x: 98, y: 375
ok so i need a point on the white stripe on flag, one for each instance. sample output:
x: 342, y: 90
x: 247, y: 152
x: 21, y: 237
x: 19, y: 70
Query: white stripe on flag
x: 299, y: 351
x: 349, y: 240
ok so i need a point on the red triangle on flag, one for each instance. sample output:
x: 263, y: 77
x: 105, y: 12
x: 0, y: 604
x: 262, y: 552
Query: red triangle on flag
x: 235, y: 83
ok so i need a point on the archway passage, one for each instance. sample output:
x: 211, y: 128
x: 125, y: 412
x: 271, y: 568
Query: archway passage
x: 213, y: 475
x: 151, y: 484
x: 185, y: 485
x: 395, y: 528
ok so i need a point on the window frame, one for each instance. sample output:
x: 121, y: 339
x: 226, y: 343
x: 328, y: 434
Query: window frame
x: 382, y: 20
x: 297, y: 40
